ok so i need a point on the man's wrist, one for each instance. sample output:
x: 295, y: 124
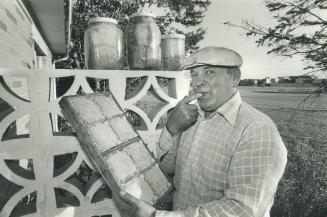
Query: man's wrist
x: 171, y: 130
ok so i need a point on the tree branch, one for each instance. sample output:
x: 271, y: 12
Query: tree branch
x: 310, y: 12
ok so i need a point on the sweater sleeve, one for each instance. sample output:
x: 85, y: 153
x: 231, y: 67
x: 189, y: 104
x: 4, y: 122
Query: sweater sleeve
x: 166, y: 150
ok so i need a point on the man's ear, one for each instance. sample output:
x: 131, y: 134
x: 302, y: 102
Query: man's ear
x: 236, y: 77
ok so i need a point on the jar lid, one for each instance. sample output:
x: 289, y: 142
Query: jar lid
x: 178, y: 36
x: 143, y: 14
x: 103, y: 19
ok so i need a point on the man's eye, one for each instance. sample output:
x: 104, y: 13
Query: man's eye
x: 210, y: 72
x: 194, y: 74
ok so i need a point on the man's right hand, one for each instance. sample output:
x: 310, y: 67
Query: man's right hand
x: 183, y: 115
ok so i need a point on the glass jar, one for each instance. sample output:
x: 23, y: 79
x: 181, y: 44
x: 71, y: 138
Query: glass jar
x: 144, y: 39
x: 103, y: 44
x: 172, y: 51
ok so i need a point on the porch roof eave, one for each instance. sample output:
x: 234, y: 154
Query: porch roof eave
x: 53, y: 19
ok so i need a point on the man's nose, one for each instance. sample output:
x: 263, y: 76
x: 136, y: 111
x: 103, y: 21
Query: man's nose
x: 198, y: 82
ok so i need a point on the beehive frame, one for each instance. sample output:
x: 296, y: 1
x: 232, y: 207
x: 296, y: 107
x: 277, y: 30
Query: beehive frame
x: 116, y: 149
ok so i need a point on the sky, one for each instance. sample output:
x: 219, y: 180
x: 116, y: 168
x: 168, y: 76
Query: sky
x: 256, y: 62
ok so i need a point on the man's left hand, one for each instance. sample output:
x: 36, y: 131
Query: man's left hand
x: 139, y: 207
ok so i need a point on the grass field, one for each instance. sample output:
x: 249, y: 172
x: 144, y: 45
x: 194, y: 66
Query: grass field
x: 273, y: 97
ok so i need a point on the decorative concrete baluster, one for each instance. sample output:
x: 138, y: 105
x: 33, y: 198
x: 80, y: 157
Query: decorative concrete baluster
x: 42, y: 146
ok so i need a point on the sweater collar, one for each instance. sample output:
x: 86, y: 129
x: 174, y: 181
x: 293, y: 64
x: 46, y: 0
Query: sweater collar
x: 228, y: 110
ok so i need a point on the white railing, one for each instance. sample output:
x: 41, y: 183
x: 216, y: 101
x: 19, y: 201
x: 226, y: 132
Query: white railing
x: 42, y: 144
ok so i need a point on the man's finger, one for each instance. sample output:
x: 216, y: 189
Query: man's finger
x: 192, y: 107
x: 191, y: 97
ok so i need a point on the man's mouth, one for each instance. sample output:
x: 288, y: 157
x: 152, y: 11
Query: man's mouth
x: 204, y: 94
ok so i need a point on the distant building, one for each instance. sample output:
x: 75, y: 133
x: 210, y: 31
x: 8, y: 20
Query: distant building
x: 267, y: 80
x: 284, y: 79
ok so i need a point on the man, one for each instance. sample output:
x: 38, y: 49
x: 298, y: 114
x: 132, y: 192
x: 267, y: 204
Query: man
x: 227, y: 156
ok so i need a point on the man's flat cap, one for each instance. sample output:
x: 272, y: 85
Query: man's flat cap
x: 214, y: 56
